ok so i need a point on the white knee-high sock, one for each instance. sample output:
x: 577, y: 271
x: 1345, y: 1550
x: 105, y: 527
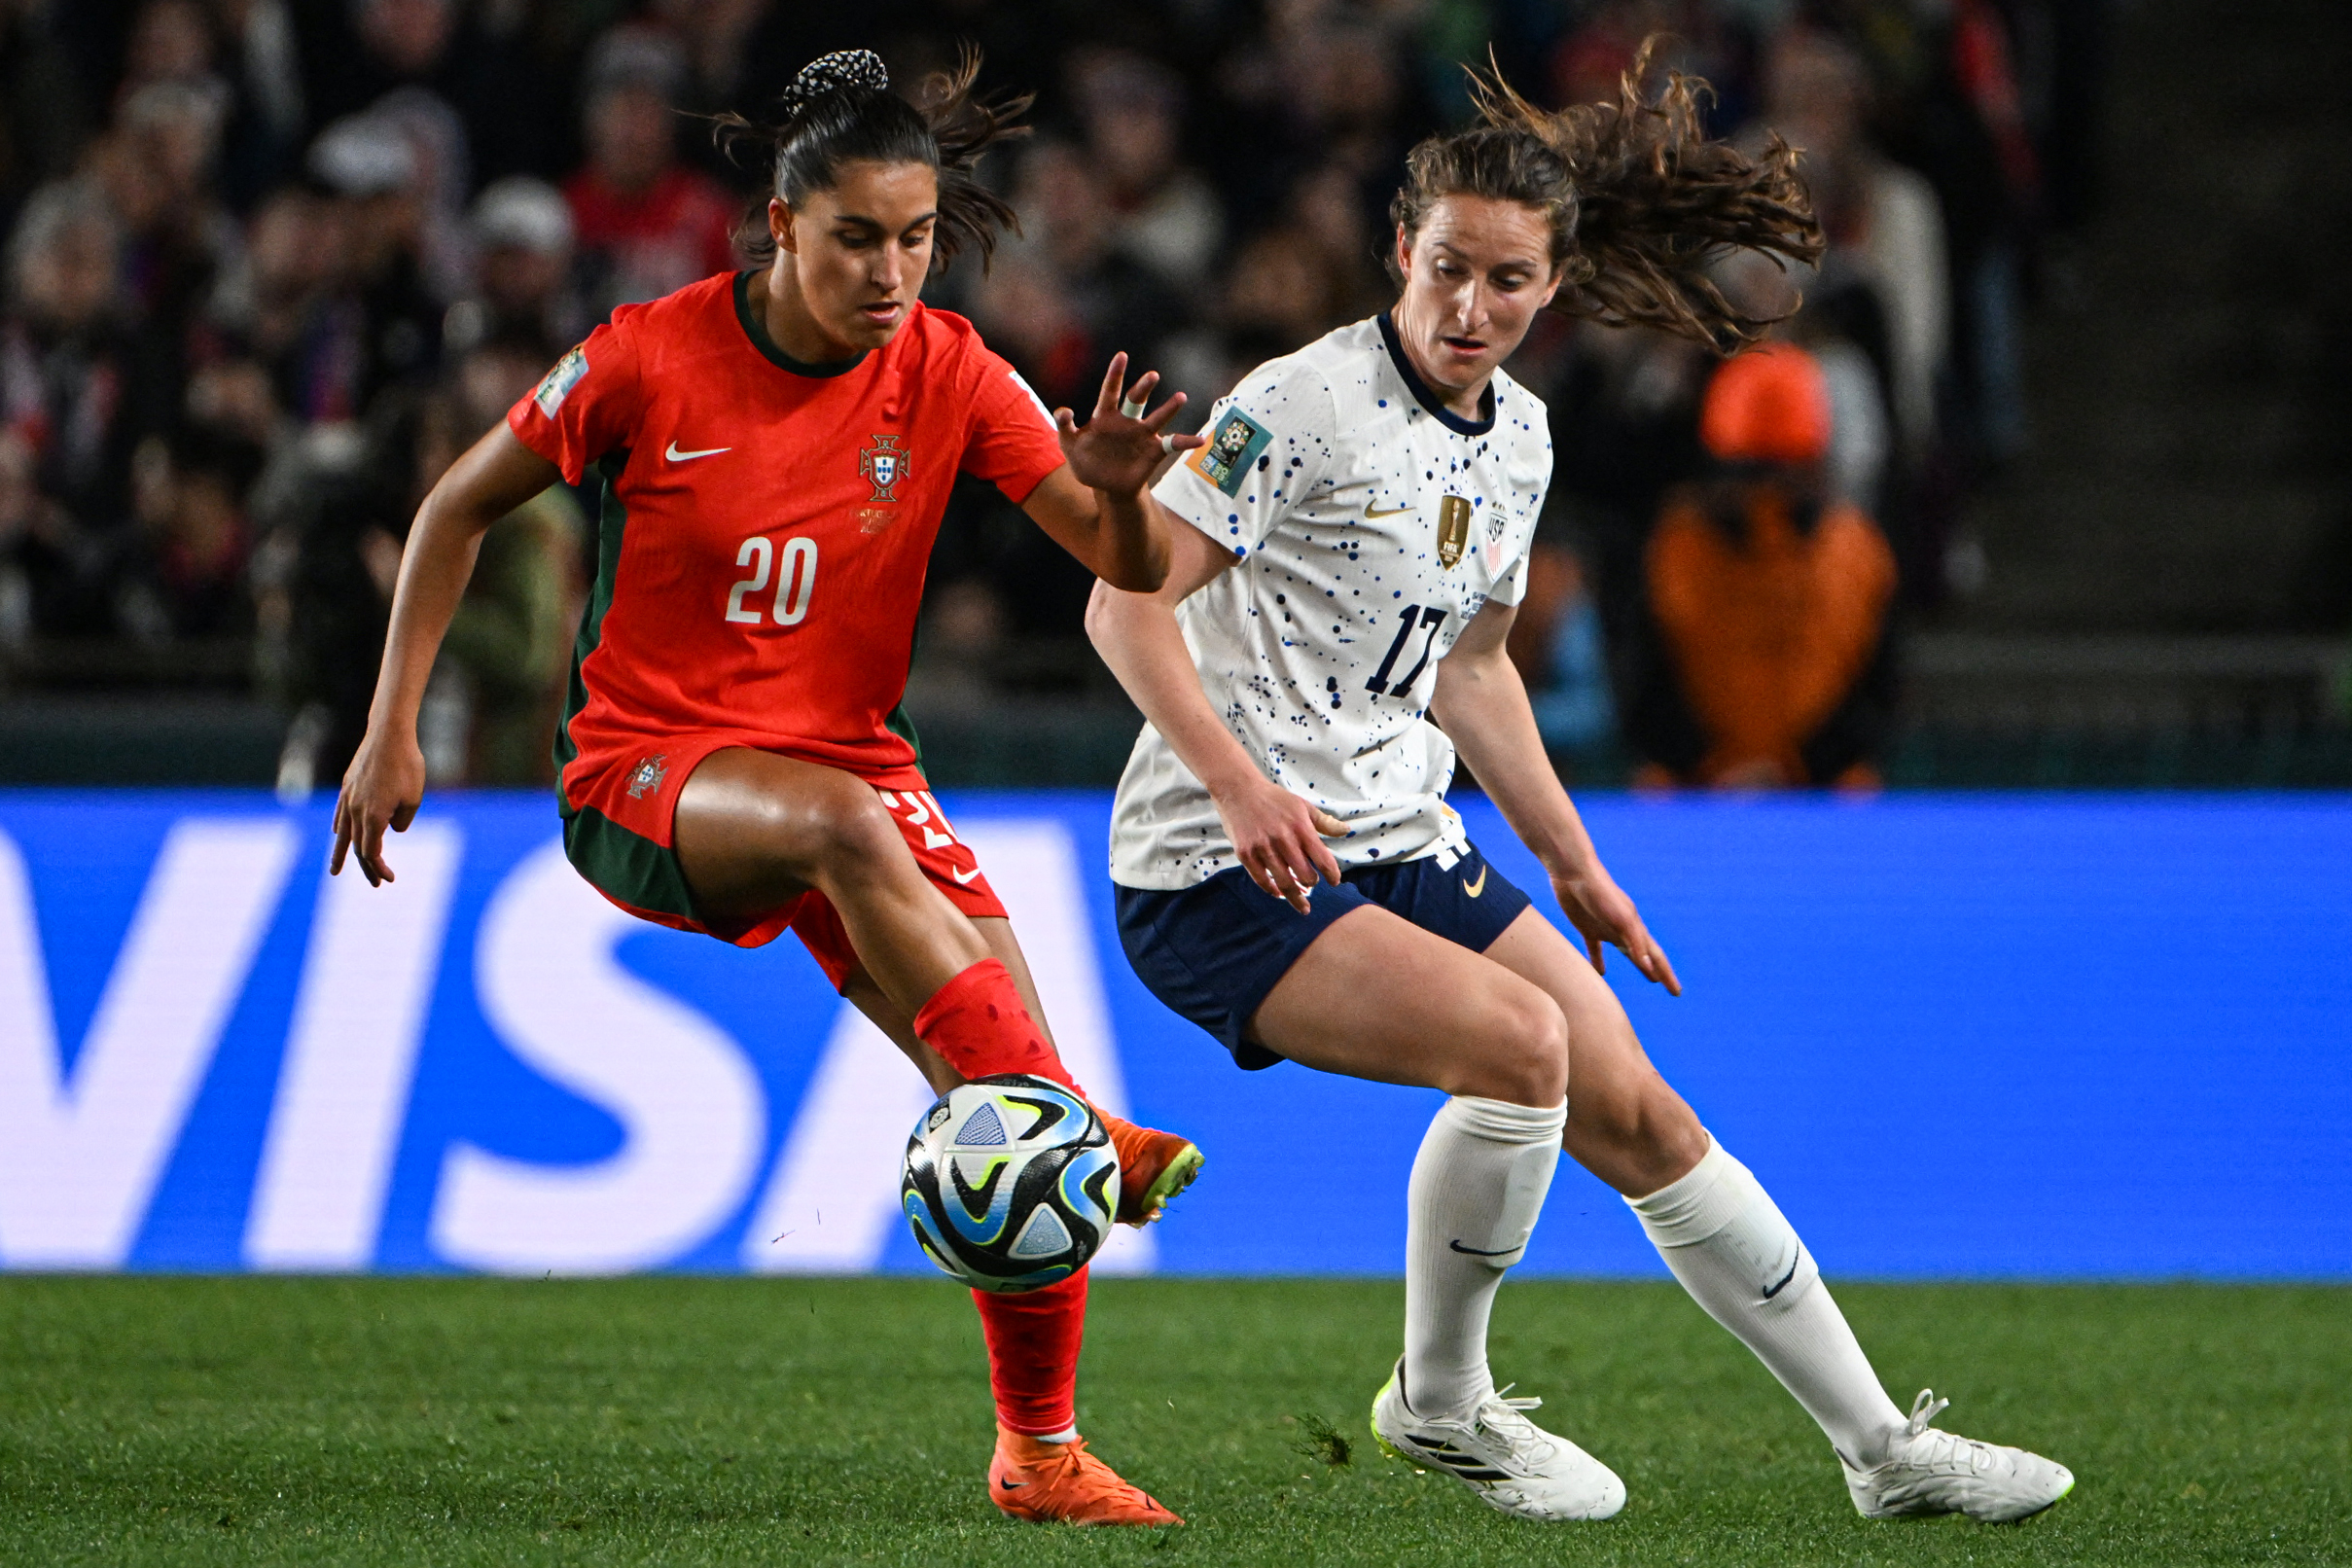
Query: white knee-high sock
x: 1729, y: 1244
x: 1478, y: 1185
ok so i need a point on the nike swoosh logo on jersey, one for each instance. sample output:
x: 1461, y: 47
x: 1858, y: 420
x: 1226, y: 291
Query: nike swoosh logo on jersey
x: 964, y: 876
x: 677, y: 456
x: 1474, y: 889
x: 1387, y: 512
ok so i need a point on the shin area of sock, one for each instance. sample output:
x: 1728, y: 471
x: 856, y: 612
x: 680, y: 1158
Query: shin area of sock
x: 979, y: 1023
x: 1477, y: 1188
x: 1733, y: 1249
x: 1033, y: 1344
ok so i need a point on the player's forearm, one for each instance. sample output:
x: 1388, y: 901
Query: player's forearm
x: 1483, y: 706
x: 1132, y: 539
x: 1121, y: 536
x: 434, y: 569
x: 1138, y: 637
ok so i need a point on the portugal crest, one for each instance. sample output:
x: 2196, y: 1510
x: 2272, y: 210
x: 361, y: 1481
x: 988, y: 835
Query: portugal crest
x: 1453, y: 530
x: 884, y: 464
x: 648, y: 775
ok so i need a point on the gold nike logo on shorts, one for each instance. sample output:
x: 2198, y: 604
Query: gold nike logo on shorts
x: 1474, y: 889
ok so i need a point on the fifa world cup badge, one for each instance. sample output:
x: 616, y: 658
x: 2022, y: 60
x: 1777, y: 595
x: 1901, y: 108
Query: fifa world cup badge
x: 1453, y: 530
x: 884, y: 464
x: 558, y: 382
x: 1237, y: 442
x: 648, y: 775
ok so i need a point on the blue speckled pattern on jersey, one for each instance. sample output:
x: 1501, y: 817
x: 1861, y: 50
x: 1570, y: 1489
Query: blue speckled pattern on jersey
x: 1320, y: 647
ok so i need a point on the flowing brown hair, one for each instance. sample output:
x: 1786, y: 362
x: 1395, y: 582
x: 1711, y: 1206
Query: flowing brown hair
x: 1638, y: 201
x: 840, y: 109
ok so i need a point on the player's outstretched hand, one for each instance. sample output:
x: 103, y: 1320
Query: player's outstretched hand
x: 1279, y: 839
x: 1121, y: 446
x: 383, y: 788
x: 1601, y: 912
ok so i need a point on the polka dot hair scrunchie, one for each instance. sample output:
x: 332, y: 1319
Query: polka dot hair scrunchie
x: 830, y: 73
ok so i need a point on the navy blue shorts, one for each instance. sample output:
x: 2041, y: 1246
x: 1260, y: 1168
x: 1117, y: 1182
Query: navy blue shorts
x: 1213, y: 952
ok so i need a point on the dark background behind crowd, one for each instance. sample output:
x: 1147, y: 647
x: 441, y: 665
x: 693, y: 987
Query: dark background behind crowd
x: 270, y: 264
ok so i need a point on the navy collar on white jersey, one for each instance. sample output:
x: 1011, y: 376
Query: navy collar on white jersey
x: 1426, y: 396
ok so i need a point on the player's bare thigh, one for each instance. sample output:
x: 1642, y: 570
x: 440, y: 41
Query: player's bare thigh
x: 899, y: 1024
x: 753, y: 830
x: 1625, y: 1124
x: 1377, y: 997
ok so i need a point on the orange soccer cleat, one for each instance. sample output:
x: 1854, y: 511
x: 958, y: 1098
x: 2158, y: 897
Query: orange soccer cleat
x: 1152, y: 1167
x: 1060, y: 1482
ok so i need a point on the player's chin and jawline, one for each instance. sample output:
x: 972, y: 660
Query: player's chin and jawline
x: 868, y: 332
x: 872, y: 334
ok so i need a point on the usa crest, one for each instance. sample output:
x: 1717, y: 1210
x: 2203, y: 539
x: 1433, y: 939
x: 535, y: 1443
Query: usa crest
x: 648, y: 775
x: 884, y: 464
x: 1453, y: 530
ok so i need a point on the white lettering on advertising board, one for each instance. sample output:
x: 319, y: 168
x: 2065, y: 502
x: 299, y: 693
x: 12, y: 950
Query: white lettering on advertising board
x: 80, y: 1152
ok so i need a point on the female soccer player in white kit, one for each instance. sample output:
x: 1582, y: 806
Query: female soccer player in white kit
x: 1361, y: 518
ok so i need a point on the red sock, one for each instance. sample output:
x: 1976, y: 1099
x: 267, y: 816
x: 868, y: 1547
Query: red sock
x: 978, y: 1022
x: 1033, y: 1340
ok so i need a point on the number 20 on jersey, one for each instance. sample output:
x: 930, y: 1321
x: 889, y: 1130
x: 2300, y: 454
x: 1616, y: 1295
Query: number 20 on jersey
x: 796, y: 581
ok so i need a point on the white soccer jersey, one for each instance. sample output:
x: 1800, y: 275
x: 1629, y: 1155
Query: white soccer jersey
x: 1370, y: 525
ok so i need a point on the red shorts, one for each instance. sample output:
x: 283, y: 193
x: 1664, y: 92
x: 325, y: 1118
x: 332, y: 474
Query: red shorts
x: 617, y: 833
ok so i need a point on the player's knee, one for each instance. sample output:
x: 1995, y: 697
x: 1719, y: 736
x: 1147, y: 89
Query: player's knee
x: 1670, y: 1140
x: 1547, y: 1051
x: 853, y: 830
x: 834, y: 825
x: 1526, y: 1059
x: 1637, y: 1135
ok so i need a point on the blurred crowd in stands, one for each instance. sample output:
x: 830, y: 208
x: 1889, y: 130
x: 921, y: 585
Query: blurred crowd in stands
x: 270, y: 264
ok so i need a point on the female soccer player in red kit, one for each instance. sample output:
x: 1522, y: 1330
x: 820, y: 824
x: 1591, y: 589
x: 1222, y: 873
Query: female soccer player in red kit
x: 777, y: 450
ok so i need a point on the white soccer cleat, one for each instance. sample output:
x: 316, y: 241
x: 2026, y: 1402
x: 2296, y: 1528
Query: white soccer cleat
x: 1512, y: 1464
x: 1932, y: 1471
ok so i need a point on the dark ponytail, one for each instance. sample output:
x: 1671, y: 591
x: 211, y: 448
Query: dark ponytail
x: 840, y: 110
x: 1638, y: 201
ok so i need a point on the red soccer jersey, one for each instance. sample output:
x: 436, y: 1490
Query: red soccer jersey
x: 766, y: 524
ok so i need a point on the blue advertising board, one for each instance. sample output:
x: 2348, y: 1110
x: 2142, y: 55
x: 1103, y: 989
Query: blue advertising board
x: 2049, y: 1037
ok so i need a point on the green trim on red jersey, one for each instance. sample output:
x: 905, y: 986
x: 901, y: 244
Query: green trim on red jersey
x: 903, y: 727
x: 626, y: 867
x: 900, y: 722
x: 623, y: 866
x: 611, y: 521
x: 757, y: 331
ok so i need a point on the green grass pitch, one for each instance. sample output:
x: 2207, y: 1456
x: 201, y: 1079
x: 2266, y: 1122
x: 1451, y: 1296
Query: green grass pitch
x: 655, y: 1420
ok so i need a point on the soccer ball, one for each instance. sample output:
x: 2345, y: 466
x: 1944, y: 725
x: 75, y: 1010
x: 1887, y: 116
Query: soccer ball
x: 1010, y: 1183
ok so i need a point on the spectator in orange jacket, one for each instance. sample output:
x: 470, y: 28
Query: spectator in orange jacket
x: 1772, y: 602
